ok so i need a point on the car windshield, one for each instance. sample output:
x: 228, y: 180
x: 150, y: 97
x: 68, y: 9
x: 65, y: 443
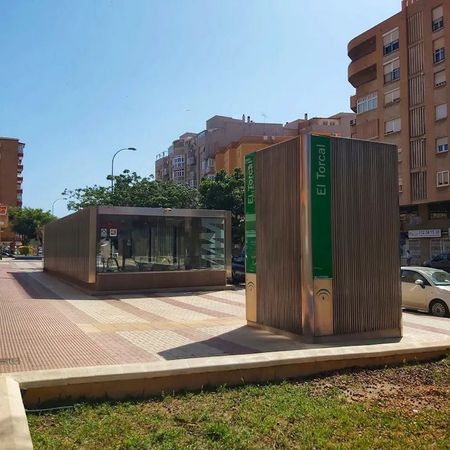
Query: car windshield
x: 441, y: 278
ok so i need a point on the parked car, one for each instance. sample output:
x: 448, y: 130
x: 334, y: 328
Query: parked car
x: 441, y: 261
x: 426, y: 289
x: 238, y: 268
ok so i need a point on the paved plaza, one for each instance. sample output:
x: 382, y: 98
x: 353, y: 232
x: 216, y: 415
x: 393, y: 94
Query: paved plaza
x: 48, y: 324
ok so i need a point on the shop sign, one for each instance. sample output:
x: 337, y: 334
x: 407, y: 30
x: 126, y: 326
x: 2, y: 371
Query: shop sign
x: 113, y: 232
x: 415, y: 234
x: 322, y: 247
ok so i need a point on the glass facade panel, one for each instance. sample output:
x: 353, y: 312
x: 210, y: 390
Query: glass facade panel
x: 149, y: 243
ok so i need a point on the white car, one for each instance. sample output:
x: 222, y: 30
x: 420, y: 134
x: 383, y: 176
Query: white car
x: 426, y: 289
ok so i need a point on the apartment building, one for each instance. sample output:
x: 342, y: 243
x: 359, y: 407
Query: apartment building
x: 11, y: 167
x: 399, y: 69
x: 192, y: 156
x: 172, y: 165
x: 233, y: 156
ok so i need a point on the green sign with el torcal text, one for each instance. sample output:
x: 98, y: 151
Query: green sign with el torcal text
x: 322, y: 249
x: 250, y: 213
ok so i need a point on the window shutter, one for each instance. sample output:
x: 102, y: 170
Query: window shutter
x: 438, y: 13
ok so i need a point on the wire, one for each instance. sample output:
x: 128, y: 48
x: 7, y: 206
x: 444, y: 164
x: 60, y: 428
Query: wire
x: 52, y: 409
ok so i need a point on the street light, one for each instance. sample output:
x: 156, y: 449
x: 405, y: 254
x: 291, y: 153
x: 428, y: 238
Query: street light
x: 53, y: 204
x: 112, y: 165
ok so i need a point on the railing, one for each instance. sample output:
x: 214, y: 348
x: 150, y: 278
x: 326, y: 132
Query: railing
x: 162, y: 155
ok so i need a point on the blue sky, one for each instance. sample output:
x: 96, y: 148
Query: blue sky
x: 81, y: 79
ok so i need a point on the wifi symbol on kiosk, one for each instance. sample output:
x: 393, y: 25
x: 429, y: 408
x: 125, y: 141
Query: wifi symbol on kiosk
x: 323, y: 293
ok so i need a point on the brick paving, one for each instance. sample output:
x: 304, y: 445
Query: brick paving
x: 48, y: 324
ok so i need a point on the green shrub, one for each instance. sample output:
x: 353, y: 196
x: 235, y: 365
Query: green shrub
x: 25, y: 250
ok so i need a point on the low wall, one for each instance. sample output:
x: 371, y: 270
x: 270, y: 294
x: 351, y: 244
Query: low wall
x: 66, y: 386
x: 155, y: 280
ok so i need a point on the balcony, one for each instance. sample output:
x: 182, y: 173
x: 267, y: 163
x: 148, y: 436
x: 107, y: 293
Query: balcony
x: 361, y: 46
x: 19, y: 179
x: 19, y: 168
x: 353, y: 103
x: 20, y: 191
x: 362, y: 71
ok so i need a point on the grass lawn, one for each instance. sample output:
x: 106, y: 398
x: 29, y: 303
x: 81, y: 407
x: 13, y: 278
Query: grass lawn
x: 394, y: 408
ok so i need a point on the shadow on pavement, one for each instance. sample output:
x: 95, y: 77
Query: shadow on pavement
x: 249, y: 340
x: 34, y: 289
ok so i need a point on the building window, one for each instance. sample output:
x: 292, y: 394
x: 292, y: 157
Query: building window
x: 390, y: 42
x: 440, y: 111
x: 438, y: 50
x: 442, y: 178
x: 178, y: 173
x: 399, y: 150
x: 392, y: 126
x: 400, y: 184
x: 440, y: 79
x: 438, y: 18
x: 178, y: 162
x: 367, y: 103
x: 442, y: 145
x: 392, y: 96
x: 192, y: 183
x: 392, y: 71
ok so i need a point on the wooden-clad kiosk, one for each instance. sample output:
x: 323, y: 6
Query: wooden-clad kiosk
x: 129, y: 248
x: 322, y: 249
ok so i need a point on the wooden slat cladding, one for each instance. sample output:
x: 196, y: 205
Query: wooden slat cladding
x: 69, y: 246
x: 417, y: 121
x: 366, y: 274
x: 415, y: 28
x: 278, y: 236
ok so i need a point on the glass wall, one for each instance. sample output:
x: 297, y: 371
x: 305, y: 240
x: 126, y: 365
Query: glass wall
x: 147, y: 243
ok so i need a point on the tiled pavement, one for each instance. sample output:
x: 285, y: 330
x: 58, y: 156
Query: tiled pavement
x: 47, y: 324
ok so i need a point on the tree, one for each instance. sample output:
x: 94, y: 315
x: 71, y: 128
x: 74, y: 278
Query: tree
x: 132, y: 190
x: 226, y: 192
x: 29, y: 222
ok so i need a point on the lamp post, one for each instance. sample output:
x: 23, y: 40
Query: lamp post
x: 53, y: 204
x: 112, y: 165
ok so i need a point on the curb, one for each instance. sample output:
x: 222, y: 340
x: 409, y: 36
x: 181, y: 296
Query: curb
x: 14, y: 431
